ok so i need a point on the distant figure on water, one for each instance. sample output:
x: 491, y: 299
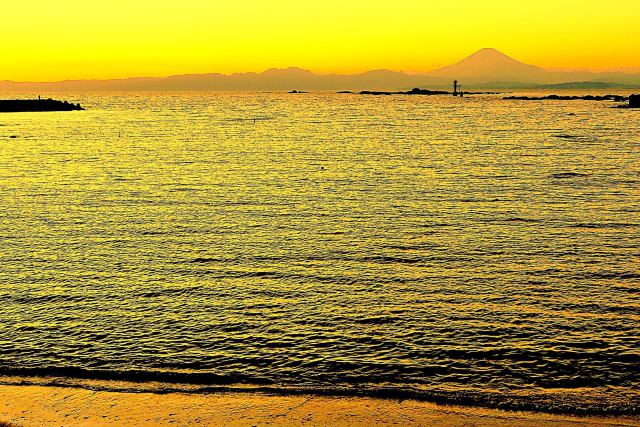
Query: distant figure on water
x: 455, y: 88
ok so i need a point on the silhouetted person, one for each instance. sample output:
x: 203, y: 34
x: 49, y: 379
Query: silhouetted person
x: 455, y: 88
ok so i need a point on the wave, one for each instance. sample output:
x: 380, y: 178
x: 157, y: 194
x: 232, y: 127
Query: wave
x: 521, y: 219
x: 567, y: 136
x: 585, y: 402
x: 248, y: 119
x: 57, y: 298
x: 390, y: 260
x: 375, y: 259
x: 619, y: 275
x: 614, y: 225
x: 566, y: 175
x: 133, y: 375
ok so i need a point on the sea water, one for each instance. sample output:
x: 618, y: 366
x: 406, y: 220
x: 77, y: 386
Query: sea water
x: 476, y: 250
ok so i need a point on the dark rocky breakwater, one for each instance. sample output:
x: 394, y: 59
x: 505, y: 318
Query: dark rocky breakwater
x: 616, y: 98
x: 634, y: 102
x: 417, y: 91
x: 36, y: 105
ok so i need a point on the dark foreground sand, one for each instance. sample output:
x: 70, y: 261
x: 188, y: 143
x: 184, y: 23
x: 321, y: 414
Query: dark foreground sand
x: 64, y: 406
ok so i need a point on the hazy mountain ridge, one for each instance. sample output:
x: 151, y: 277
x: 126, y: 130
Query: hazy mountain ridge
x: 272, y: 79
x: 486, y: 68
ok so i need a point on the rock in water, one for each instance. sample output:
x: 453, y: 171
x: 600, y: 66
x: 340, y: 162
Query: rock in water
x: 634, y: 101
x: 31, y: 105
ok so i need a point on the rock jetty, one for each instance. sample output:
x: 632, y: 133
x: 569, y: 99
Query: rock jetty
x: 417, y: 91
x: 36, y: 105
x: 616, y: 98
x: 634, y: 102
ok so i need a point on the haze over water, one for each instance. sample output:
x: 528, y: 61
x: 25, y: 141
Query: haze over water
x: 458, y: 247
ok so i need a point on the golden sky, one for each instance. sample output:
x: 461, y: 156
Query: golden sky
x: 46, y: 40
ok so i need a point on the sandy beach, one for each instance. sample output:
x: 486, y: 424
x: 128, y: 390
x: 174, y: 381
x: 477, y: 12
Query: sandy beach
x: 55, y: 406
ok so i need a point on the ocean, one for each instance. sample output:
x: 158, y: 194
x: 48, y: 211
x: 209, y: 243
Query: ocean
x: 476, y: 251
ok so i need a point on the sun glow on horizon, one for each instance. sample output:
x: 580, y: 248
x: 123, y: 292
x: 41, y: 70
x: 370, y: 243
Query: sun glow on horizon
x: 73, y: 39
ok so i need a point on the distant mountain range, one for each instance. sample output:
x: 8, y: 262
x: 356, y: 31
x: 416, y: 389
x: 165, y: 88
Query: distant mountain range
x: 486, y: 68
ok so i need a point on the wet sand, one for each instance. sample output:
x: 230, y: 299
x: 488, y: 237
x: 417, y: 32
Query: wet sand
x: 49, y: 406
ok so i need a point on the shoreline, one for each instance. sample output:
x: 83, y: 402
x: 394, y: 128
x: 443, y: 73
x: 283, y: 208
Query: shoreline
x: 31, y: 405
x: 580, y: 402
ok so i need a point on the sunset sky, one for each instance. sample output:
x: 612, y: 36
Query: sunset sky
x: 44, y: 40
